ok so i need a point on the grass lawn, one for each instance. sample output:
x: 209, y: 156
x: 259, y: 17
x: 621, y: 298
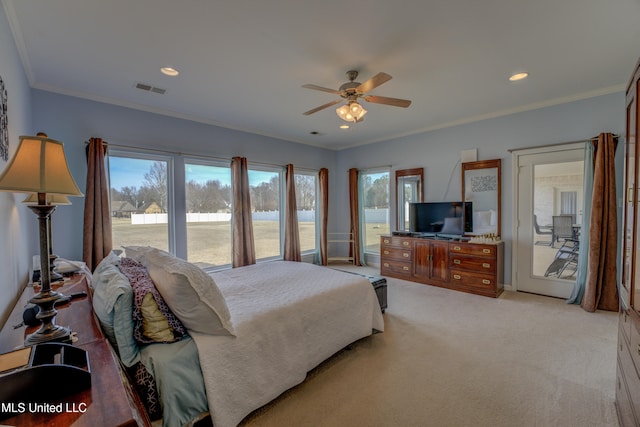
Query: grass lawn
x: 208, y: 243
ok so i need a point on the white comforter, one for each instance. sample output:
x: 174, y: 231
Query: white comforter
x: 288, y: 317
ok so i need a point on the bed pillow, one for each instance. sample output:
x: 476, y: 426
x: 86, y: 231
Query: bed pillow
x: 111, y: 259
x: 191, y: 294
x: 113, y: 305
x: 153, y: 320
x: 481, y: 218
x: 452, y: 225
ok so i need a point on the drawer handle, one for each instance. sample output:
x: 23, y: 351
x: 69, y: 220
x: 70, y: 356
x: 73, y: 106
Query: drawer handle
x: 457, y: 248
x: 486, y: 265
x: 486, y: 282
x: 386, y: 252
x: 405, y: 243
x: 405, y: 268
x: 406, y: 255
x: 386, y: 240
x: 457, y: 276
x: 456, y: 261
x: 386, y: 264
x: 486, y: 251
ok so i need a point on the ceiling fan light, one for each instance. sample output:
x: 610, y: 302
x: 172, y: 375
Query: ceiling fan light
x: 353, y: 112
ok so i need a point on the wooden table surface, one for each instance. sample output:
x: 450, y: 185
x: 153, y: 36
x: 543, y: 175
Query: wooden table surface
x: 109, y: 401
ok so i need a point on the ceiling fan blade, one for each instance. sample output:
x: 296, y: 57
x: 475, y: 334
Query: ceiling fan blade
x: 404, y: 103
x: 373, y: 82
x: 320, y: 88
x: 322, y: 107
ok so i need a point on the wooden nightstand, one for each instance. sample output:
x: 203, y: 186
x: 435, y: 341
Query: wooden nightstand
x: 110, y: 401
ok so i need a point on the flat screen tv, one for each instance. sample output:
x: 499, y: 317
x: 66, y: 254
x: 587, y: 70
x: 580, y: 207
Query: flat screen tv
x: 455, y: 218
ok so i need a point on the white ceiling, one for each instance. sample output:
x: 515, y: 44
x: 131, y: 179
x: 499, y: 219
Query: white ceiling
x: 242, y: 63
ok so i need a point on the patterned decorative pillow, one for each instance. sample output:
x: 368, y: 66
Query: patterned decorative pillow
x: 153, y: 320
x: 147, y: 390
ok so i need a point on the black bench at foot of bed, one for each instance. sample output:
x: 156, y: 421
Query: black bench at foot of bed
x: 379, y: 284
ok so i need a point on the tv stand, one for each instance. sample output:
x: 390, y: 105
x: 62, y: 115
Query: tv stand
x: 462, y: 266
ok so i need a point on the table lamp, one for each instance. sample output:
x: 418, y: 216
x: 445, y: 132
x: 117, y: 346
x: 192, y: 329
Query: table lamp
x: 57, y: 200
x: 40, y: 166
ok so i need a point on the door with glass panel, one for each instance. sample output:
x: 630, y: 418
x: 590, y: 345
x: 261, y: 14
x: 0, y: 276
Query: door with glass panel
x: 548, y: 219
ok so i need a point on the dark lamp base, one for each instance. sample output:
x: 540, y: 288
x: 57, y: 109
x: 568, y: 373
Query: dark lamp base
x: 49, y: 331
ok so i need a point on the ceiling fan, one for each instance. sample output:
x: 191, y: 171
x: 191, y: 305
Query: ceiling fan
x: 351, y: 91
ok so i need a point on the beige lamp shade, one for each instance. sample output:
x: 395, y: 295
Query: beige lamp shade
x: 39, y: 166
x: 52, y: 199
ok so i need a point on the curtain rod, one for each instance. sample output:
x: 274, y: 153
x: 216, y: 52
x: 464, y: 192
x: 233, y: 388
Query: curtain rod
x: 511, y: 150
x: 179, y: 153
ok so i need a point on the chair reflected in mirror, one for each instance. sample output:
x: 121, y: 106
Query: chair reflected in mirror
x: 542, y: 230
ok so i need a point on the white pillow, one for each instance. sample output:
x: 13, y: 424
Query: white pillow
x: 452, y: 225
x: 481, y: 218
x: 191, y: 294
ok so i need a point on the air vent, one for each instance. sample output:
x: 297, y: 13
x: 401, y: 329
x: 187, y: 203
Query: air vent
x: 149, y: 88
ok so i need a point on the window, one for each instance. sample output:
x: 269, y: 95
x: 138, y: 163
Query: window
x: 266, y: 202
x: 208, y: 210
x: 190, y: 215
x: 374, y: 191
x: 139, y: 189
x: 306, y: 201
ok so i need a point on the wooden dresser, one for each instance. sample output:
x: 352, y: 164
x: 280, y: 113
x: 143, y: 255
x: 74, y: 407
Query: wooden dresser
x: 110, y: 401
x: 462, y: 266
x: 628, y: 363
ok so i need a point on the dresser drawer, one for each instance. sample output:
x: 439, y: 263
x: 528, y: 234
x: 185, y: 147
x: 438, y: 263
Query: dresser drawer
x: 634, y: 347
x: 400, y: 242
x: 474, y: 249
x: 393, y: 253
x: 473, y: 279
x: 627, y: 365
x: 626, y: 414
x: 624, y: 323
x: 477, y: 264
x: 395, y: 268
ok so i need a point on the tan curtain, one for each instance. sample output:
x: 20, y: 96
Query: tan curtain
x: 244, y: 252
x: 354, y: 250
x: 291, y: 232
x: 601, y: 291
x: 97, y: 240
x: 323, y: 177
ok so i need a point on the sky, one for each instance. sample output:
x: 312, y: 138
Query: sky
x: 128, y: 172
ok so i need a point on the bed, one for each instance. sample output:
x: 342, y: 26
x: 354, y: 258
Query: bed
x: 254, y: 336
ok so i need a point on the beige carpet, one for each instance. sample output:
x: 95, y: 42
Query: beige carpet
x: 448, y: 358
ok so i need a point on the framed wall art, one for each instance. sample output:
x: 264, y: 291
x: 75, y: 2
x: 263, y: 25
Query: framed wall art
x: 4, y: 123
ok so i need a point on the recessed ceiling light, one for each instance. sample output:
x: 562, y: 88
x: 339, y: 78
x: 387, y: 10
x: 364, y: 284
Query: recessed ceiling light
x: 169, y: 71
x: 518, y: 76
x: 344, y: 126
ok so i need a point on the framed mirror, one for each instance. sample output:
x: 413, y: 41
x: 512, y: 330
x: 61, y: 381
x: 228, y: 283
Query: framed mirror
x: 409, y: 184
x: 481, y: 186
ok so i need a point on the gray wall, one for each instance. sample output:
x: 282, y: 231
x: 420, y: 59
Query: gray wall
x: 439, y: 151
x: 17, y: 223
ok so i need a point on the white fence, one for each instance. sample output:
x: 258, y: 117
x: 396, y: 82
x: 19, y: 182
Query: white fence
x: 372, y: 216
x: 161, y: 218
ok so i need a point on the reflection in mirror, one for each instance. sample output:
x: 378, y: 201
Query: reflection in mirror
x: 408, y: 190
x: 481, y: 186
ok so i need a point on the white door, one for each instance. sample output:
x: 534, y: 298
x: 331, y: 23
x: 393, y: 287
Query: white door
x: 543, y: 263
